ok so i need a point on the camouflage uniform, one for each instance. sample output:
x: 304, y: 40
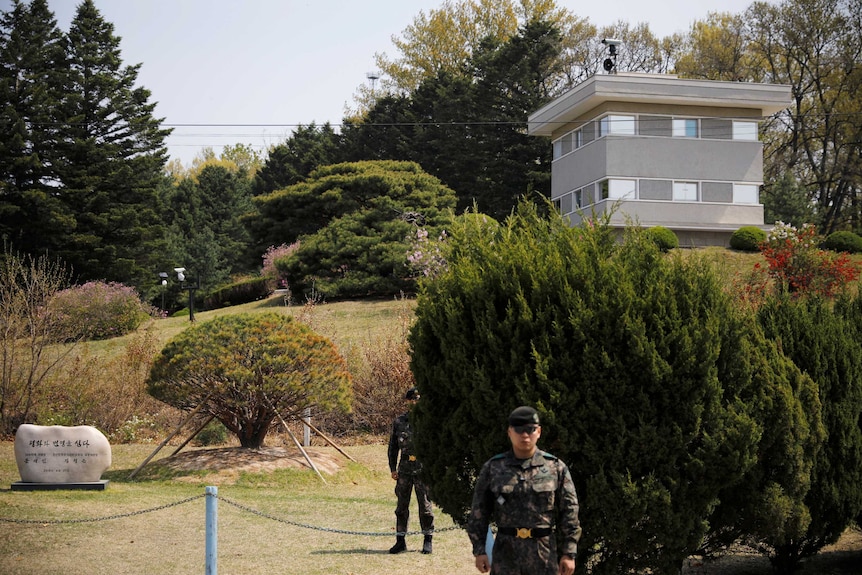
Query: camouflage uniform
x: 408, y: 478
x: 529, y: 493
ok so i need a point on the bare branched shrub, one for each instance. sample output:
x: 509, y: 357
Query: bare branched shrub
x: 109, y: 393
x: 381, y: 376
x: 27, y: 333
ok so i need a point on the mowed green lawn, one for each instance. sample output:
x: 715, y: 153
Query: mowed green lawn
x: 355, y: 501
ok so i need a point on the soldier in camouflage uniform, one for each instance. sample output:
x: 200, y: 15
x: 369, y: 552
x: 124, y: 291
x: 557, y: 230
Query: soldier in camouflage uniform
x: 530, y: 495
x: 406, y: 475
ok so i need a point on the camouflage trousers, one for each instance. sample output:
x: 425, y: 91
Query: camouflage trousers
x: 404, y: 486
x: 514, y: 556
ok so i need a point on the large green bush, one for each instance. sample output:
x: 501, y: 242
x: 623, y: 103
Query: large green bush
x: 625, y: 352
x: 99, y: 310
x: 843, y: 241
x: 249, y: 369
x: 356, y: 222
x: 747, y: 239
x: 824, y: 341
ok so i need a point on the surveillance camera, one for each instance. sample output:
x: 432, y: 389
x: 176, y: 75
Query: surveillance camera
x: 611, y: 41
x: 179, y: 270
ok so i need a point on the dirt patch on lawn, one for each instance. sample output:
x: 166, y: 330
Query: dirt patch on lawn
x: 228, y: 462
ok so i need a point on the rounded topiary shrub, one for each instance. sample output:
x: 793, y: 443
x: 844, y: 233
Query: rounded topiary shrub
x: 98, y: 310
x: 664, y: 238
x: 747, y: 239
x: 843, y: 242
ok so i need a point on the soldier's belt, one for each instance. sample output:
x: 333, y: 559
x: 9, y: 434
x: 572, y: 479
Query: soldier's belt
x: 526, y: 532
x: 411, y: 458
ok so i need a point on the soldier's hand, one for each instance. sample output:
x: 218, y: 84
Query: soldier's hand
x: 395, y: 475
x: 482, y: 563
x: 567, y: 565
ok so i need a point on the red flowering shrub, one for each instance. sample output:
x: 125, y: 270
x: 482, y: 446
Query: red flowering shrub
x: 795, y: 265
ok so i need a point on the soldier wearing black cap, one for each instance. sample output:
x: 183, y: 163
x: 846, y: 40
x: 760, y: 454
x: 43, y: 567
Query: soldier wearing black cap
x: 406, y: 476
x: 530, y: 495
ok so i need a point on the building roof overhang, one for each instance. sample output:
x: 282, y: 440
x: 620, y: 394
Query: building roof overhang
x: 767, y: 99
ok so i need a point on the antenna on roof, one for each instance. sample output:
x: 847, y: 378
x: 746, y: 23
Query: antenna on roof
x: 373, y: 77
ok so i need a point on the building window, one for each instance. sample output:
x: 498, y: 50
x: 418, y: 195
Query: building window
x: 618, y: 189
x: 567, y: 143
x: 566, y: 204
x: 745, y: 131
x: 685, y: 191
x: 684, y: 128
x: 624, y: 125
x: 745, y: 194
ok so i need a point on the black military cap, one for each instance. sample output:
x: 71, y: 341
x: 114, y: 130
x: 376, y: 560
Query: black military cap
x: 412, y: 393
x: 524, y: 415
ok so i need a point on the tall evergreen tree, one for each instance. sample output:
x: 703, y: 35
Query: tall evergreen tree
x: 112, y: 152
x: 32, y: 67
x: 288, y: 163
x: 205, y: 233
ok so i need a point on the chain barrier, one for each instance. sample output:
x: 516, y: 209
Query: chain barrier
x: 329, y: 529
x: 95, y: 519
x: 229, y: 502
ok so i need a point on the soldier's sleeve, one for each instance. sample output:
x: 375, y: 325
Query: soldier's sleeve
x: 481, y: 510
x: 567, y: 511
x: 393, y: 447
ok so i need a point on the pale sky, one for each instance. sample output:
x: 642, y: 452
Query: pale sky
x: 246, y: 71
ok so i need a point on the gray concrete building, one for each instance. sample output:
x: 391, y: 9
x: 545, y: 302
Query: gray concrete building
x: 655, y: 149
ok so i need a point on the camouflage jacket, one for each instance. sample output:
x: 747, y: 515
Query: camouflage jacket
x: 535, y: 492
x: 401, y: 441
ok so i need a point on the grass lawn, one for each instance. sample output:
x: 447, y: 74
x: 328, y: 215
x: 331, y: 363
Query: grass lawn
x: 359, y: 498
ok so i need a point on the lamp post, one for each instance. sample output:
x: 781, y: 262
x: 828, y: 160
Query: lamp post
x: 163, y: 276
x: 181, y: 276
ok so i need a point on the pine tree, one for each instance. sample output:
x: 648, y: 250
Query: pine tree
x: 32, y: 61
x: 112, y: 152
x: 619, y: 347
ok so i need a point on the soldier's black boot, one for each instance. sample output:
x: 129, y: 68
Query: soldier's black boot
x: 400, y: 545
x: 426, y: 546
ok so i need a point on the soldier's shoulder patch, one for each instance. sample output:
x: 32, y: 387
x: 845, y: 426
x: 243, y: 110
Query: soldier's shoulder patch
x: 499, y: 456
x: 550, y: 457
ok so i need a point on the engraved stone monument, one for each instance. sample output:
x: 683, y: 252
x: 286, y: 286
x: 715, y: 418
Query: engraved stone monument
x: 60, y: 457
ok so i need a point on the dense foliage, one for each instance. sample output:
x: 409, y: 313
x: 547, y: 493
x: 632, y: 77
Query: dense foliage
x: 248, y: 370
x: 843, y: 242
x: 798, y: 266
x: 633, y: 359
x: 663, y: 237
x: 354, y: 222
x: 823, y: 340
x: 81, y: 152
x: 747, y: 239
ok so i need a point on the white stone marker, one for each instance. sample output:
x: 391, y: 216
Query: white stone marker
x: 60, y: 454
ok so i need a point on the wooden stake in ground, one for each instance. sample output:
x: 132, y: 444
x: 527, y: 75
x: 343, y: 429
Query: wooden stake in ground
x: 194, y: 434
x: 298, y: 444
x: 168, y: 438
x: 326, y: 439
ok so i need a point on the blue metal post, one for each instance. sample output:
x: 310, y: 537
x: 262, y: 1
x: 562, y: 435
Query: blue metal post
x: 212, y: 531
